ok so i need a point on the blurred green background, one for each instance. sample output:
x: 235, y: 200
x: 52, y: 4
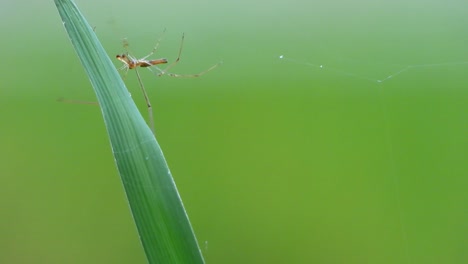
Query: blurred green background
x: 277, y: 161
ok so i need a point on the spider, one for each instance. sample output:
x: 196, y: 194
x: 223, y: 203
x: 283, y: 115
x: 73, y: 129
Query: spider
x: 130, y: 62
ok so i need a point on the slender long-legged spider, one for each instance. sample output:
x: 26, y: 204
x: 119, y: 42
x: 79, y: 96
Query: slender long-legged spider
x: 130, y: 62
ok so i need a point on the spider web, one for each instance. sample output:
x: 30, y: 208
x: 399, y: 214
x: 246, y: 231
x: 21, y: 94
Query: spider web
x: 398, y: 69
x: 380, y: 74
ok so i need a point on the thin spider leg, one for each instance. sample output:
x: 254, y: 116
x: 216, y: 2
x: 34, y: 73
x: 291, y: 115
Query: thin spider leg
x: 131, y: 57
x: 126, y: 46
x: 126, y: 72
x: 125, y: 66
x: 176, y: 60
x: 152, y: 52
x: 148, y: 103
x: 193, y: 75
x: 156, y: 46
x: 71, y: 101
x: 156, y: 67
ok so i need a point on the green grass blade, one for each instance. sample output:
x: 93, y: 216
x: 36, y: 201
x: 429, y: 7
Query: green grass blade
x: 159, y: 215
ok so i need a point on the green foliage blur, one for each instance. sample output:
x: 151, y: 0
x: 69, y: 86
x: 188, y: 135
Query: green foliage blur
x: 277, y: 161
